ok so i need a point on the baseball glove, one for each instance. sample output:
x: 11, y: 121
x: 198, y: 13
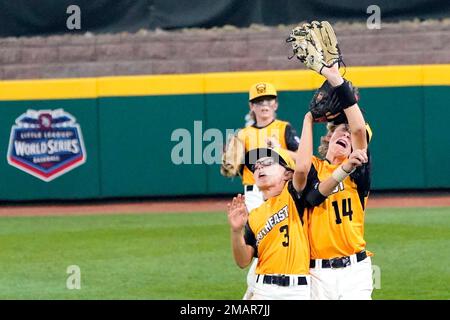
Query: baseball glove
x: 326, y: 104
x: 315, y: 41
x: 325, y: 33
x: 233, y: 157
x: 307, y: 48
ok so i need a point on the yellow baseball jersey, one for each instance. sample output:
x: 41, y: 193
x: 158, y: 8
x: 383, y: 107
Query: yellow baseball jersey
x: 336, y: 226
x: 277, y: 230
x: 255, y: 137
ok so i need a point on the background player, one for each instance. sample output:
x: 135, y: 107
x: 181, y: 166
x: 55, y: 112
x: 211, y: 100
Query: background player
x: 266, y: 131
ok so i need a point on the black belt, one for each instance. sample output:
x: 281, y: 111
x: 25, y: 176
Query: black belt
x: 249, y: 188
x: 341, y: 262
x: 283, y: 281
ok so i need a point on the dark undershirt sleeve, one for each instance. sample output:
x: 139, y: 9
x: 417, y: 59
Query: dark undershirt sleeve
x: 313, y: 197
x: 250, y: 239
x: 361, y: 177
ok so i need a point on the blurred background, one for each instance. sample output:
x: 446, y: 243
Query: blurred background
x: 134, y: 81
x: 132, y: 72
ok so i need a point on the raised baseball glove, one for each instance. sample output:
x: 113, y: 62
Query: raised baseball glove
x: 327, y: 37
x: 233, y: 157
x: 328, y: 103
x: 307, y: 48
x: 315, y: 41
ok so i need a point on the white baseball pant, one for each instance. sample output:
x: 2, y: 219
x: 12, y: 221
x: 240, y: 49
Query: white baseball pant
x: 353, y: 282
x: 295, y: 291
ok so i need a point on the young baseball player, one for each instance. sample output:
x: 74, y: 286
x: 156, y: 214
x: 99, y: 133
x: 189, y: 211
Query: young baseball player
x: 340, y: 264
x: 265, y: 131
x: 275, y: 232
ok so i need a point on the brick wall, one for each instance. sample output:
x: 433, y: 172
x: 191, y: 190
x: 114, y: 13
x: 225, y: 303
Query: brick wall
x: 225, y: 49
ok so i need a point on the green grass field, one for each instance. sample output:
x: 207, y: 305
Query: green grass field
x: 188, y: 256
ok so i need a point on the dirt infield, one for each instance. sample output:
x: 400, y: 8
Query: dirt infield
x: 197, y: 205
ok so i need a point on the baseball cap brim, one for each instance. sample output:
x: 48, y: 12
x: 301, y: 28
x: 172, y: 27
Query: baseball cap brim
x: 254, y: 155
x: 266, y: 95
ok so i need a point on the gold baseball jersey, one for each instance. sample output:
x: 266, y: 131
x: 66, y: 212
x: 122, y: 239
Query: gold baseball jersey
x: 255, y: 137
x: 277, y: 230
x: 336, y: 226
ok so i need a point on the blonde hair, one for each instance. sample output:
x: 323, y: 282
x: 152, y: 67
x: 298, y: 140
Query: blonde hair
x: 250, y: 119
x: 253, y: 116
x: 325, y: 140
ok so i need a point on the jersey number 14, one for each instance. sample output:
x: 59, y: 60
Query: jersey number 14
x: 346, y: 209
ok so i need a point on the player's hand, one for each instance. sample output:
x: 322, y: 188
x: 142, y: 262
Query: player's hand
x: 309, y: 117
x: 237, y: 213
x: 356, y: 159
x: 272, y: 143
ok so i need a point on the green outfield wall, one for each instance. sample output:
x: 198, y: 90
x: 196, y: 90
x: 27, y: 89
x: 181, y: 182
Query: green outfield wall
x: 129, y: 127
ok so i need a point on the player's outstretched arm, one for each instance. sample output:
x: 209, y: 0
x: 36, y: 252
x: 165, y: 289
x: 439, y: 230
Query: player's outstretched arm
x: 304, y: 154
x: 237, y: 218
x: 352, y: 112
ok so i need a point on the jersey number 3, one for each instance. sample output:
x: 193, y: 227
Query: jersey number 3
x: 285, y: 229
x: 346, y: 209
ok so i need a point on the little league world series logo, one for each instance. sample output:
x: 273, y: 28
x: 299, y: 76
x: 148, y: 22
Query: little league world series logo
x: 46, y: 144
